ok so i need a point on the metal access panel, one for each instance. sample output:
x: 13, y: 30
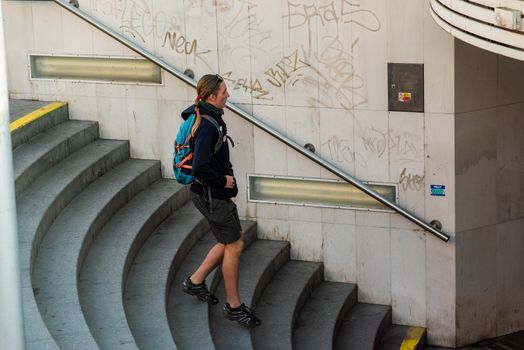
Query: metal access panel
x: 406, y: 87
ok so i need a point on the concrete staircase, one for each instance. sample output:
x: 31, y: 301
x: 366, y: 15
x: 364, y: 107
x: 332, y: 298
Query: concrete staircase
x: 105, y: 243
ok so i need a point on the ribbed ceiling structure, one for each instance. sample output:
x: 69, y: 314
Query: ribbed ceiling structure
x: 493, y: 25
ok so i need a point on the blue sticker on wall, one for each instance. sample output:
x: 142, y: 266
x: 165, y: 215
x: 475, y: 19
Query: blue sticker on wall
x: 438, y: 190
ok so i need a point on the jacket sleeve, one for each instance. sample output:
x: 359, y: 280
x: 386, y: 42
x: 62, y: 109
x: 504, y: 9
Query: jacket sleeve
x: 205, y: 140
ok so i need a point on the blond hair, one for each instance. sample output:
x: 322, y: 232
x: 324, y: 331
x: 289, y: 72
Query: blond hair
x: 208, y: 85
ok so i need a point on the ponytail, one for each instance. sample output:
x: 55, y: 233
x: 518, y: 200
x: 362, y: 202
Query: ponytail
x: 198, y: 118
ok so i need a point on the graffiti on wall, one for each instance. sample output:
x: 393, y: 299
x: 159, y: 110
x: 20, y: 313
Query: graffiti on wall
x: 344, y: 11
x: 287, y: 70
x: 341, y: 150
x: 327, y: 70
x: 410, y: 181
x: 320, y: 60
x: 181, y: 45
x: 247, y: 23
x: 248, y: 85
x: 333, y: 63
x: 137, y: 18
x: 402, y: 147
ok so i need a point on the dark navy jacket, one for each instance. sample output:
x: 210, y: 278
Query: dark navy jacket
x: 210, y: 168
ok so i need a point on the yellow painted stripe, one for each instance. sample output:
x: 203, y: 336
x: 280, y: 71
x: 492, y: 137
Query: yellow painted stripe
x: 412, y: 338
x: 40, y: 112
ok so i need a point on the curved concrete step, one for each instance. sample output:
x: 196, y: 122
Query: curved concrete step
x: 403, y: 337
x: 40, y: 204
x: 150, y: 276
x: 281, y: 303
x: 63, y: 247
x: 258, y: 264
x: 189, y: 318
x: 103, y: 274
x: 46, y: 121
x: 363, y: 326
x: 319, y: 320
x: 43, y: 200
x: 33, y: 158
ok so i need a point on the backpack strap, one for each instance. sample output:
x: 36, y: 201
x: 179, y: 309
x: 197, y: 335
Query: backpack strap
x: 220, y: 140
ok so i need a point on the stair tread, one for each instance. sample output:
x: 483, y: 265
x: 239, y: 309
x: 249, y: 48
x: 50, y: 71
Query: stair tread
x: 19, y: 107
x: 38, y: 206
x: 281, y: 302
x: 25, y: 133
x: 38, y: 197
x: 145, y: 290
x: 39, y: 338
x: 189, y: 318
x: 103, y: 274
x: 317, y: 323
x: 359, y: 327
x: 395, y: 336
x: 258, y: 263
x: 33, y: 158
x: 56, y: 265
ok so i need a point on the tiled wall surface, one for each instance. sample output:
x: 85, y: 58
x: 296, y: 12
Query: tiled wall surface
x: 489, y: 169
x: 314, y: 70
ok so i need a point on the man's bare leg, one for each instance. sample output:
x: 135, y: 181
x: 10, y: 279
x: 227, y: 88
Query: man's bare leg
x: 213, y: 259
x: 230, y: 266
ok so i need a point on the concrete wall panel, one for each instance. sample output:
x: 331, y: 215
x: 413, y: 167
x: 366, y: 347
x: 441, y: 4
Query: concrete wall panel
x: 510, y: 284
x: 510, y: 174
x: 340, y: 252
x: 305, y: 240
x: 408, y: 276
x: 77, y: 34
x: 113, y: 127
x: 476, y: 169
x: 510, y: 77
x: 335, y: 216
x: 144, y: 126
x: 439, y: 67
x: 337, y: 139
x: 441, y: 292
x: 440, y: 170
x: 371, y: 145
x: 373, y: 253
x: 273, y: 229
x: 270, y: 156
x: 50, y: 39
x: 489, y: 167
x: 475, y: 79
x: 476, y: 290
x: 405, y: 28
x: 369, y: 41
x: 18, y: 24
x: 406, y: 157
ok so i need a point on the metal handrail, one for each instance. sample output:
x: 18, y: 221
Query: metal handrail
x: 253, y: 120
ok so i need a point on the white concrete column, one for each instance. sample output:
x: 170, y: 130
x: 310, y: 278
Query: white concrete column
x: 11, y: 319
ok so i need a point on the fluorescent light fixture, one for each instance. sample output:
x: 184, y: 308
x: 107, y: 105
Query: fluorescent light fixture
x: 317, y: 192
x: 110, y: 69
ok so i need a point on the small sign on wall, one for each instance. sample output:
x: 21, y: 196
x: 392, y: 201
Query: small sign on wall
x: 438, y: 190
x: 404, y: 97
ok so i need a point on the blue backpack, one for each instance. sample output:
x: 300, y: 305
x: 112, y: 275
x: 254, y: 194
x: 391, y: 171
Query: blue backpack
x: 183, y: 155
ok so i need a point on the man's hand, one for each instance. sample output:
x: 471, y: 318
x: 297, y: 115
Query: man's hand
x: 230, y: 181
